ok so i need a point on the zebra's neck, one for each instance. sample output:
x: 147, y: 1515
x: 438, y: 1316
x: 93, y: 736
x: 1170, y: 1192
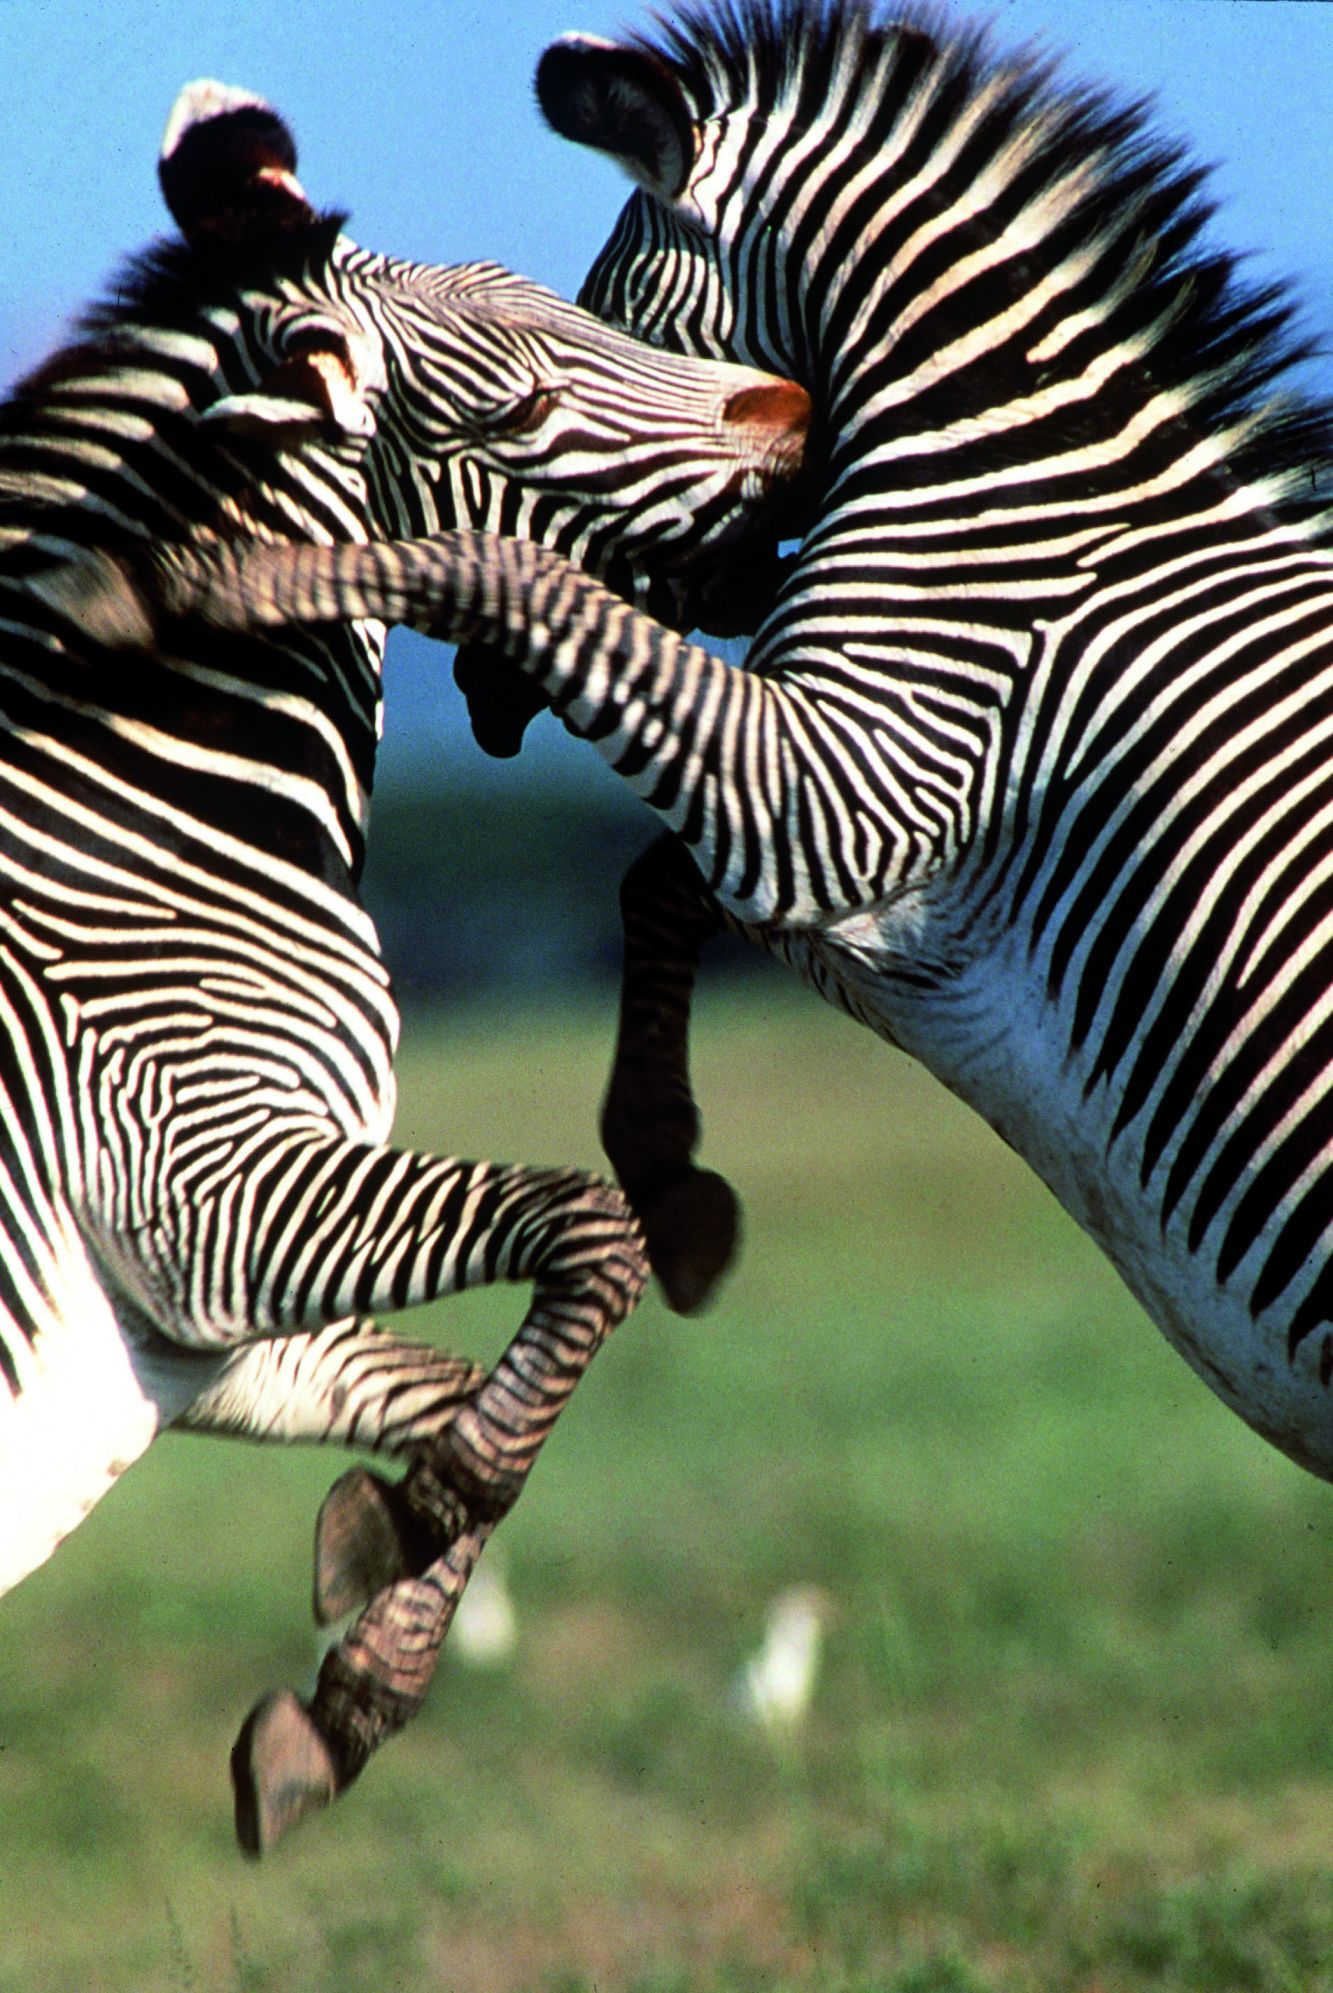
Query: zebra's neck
x: 250, y: 739
x: 1037, y: 393
x: 1017, y: 340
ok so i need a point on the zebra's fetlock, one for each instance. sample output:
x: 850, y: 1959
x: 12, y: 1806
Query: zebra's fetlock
x: 461, y: 1479
x: 649, y: 1130
x: 354, y: 1708
x: 370, y: 1533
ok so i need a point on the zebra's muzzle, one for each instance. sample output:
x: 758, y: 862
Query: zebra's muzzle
x: 726, y: 585
x: 776, y: 417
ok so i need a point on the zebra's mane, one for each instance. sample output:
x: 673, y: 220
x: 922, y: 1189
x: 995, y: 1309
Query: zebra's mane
x: 167, y: 285
x: 1222, y: 343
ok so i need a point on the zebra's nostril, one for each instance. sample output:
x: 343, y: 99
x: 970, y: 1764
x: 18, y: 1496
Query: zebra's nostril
x: 779, y: 411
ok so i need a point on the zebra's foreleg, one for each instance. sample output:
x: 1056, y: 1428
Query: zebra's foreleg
x: 476, y: 590
x: 372, y: 1533
x: 650, y: 1123
x: 351, y: 1384
x: 424, y: 1536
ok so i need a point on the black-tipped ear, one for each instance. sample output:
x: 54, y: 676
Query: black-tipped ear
x: 622, y: 101
x: 228, y: 166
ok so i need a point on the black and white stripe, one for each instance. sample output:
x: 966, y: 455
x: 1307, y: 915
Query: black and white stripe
x: 196, y: 1031
x: 1068, y: 603
x: 1028, y: 769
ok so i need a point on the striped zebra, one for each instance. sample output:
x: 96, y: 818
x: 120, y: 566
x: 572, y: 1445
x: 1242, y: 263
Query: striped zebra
x: 199, y: 1202
x: 1029, y: 770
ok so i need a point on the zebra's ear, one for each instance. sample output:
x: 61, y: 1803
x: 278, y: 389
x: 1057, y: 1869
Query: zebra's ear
x: 319, y: 385
x: 622, y: 101
x: 228, y: 167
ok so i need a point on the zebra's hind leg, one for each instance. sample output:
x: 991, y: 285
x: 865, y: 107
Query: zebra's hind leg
x: 293, y: 1758
x: 650, y: 1124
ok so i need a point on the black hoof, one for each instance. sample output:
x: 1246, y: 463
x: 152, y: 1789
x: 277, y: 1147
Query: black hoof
x: 280, y: 1771
x: 359, y: 1544
x: 692, y: 1228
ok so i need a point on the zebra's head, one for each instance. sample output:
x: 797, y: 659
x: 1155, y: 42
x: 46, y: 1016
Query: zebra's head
x: 958, y: 253
x: 784, y: 153
x: 466, y: 395
x: 714, y: 120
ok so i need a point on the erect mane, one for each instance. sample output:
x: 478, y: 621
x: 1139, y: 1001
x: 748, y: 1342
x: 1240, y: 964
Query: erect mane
x: 1223, y: 343
x: 167, y: 285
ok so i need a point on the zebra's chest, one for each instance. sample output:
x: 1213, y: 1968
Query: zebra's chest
x: 1227, y: 1272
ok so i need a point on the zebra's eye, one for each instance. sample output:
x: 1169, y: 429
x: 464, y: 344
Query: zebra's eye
x: 517, y: 417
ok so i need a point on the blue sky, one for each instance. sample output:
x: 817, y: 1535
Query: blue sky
x: 419, y: 118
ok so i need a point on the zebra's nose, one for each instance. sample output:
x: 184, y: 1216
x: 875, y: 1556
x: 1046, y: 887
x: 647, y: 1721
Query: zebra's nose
x: 777, y: 415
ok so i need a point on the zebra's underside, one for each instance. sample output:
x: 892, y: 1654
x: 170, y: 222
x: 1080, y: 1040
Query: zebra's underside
x: 1176, y: 1218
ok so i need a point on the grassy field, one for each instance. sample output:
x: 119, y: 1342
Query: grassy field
x: 1073, y: 1730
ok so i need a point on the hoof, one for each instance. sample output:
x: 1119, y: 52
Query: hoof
x: 280, y: 1771
x: 501, y: 699
x: 692, y: 1228
x: 359, y: 1545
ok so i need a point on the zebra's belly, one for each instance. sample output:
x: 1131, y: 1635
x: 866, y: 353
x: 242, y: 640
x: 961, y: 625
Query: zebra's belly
x: 76, y: 1417
x: 990, y: 1034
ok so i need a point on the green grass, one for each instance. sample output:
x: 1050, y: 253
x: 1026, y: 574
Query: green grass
x: 1073, y: 1730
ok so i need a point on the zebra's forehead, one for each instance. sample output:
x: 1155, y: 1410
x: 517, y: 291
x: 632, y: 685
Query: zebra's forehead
x: 481, y: 291
x: 519, y: 317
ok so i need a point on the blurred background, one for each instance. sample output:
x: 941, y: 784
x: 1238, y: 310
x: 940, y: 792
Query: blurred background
x: 1053, y: 1633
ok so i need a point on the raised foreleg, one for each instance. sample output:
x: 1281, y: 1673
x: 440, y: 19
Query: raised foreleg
x: 420, y: 1541
x: 292, y: 1758
x: 650, y: 1125
x: 738, y: 764
x: 352, y: 1383
x: 314, y: 1227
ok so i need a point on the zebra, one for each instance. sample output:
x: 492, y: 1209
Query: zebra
x: 1028, y: 767
x: 200, y: 1206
